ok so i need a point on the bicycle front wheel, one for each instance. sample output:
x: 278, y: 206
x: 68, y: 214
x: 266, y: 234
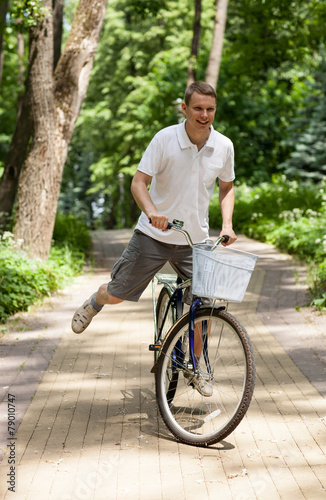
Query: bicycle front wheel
x: 227, y: 368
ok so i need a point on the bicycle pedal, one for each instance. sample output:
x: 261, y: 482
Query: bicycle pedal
x: 155, y: 347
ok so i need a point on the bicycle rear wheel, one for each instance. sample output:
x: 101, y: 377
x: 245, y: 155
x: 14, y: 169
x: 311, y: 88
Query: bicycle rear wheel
x: 227, y: 365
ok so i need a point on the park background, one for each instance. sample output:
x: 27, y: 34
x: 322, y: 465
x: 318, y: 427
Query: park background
x: 85, y: 85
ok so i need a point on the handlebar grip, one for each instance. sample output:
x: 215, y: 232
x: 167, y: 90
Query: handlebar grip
x: 169, y: 226
x: 225, y: 238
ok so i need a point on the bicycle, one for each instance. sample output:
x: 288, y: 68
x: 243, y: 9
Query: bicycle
x: 207, y: 342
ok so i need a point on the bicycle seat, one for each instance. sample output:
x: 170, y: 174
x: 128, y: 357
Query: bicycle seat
x: 166, y: 278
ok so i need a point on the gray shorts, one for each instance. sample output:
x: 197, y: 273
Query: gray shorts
x: 141, y: 260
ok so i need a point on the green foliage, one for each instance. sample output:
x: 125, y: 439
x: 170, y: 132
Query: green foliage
x: 289, y: 215
x: 9, y: 91
x: 23, y: 281
x: 264, y: 35
x: 270, y: 52
x: 72, y: 232
x: 67, y: 262
x: 270, y: 55
x: 307, y: 133
x: 252, y: 114
x: 265, y: 119
x: 269, y: 201
x: 27, y: 13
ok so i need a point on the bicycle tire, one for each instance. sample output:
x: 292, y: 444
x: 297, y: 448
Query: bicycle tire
x: 193, y: 418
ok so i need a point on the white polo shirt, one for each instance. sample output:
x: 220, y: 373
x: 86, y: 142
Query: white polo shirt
x: 183, y: 180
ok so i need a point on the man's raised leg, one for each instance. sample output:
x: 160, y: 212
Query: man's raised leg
x: 85, y: 313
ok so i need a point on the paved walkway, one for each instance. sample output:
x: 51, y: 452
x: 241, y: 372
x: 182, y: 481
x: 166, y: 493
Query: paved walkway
x: 85, y: 405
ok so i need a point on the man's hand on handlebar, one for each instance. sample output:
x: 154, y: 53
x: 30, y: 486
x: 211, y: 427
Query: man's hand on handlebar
x: 231, y: 235
x: 159, y: 221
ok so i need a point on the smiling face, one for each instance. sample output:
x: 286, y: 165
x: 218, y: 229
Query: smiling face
x: 200, y: 114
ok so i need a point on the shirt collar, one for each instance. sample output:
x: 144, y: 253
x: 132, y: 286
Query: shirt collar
x: 184, y: 140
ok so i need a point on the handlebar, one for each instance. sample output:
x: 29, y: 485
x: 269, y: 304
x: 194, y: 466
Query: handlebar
x: 177, y: 225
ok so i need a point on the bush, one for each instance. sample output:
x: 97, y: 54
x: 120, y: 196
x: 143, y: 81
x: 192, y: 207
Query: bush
x: 68, y: 230
x: 23, y: 281
x: 266, y: 202
x: 289, y: 215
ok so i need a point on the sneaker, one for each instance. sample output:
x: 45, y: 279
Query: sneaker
x: 199, y: 383
x: 83, y: 316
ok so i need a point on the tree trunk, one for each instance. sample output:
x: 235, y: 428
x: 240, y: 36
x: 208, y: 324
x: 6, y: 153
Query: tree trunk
x: 21, y: 138
x: 195, y: 44
x: 73, y: 71
x: 58, y: 6
x: 40, y: 180
x: 215, y: 56
x: 36, y: 187
x: 3, y: 12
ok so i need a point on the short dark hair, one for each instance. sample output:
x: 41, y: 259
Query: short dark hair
x: 200, y: 87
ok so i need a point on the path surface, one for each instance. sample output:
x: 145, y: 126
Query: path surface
x: 86, y: 410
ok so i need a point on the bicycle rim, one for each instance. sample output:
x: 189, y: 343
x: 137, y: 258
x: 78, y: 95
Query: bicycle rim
x: 227, y: 365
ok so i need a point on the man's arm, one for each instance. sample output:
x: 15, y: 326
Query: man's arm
x: 226, y: 197
x: 142, y: 197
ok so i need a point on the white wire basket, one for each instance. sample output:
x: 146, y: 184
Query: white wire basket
x: 222, y: 274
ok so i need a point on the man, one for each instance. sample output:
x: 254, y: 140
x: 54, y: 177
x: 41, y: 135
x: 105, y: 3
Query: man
x: 181, y: 165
